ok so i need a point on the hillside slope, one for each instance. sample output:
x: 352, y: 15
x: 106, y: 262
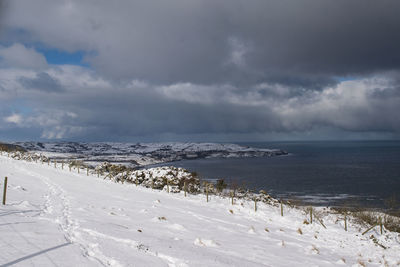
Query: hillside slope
x: 58, y: 218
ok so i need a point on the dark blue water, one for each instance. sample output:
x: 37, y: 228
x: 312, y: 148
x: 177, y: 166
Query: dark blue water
x: 321, y: 173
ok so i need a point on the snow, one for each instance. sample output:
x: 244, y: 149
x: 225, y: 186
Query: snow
x: 54, y: 217
x: 141, y: 154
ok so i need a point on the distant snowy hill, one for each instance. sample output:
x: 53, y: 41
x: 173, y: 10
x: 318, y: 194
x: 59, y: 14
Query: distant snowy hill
x: 140, y: 154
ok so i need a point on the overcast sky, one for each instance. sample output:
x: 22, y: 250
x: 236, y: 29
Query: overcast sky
x: 199, y: 70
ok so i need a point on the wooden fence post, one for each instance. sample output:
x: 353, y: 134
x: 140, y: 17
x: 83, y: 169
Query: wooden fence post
x: 55, y: 163
x: 167, y: 186
x: 345, y: 222
x: 185, y: 187
x: 87, y: 171
x: 369, y: 229
x: 207, y: 192
x: 311, y: 214
x: 232, y: 197
x: 380, y: 224
x: 255, y: 204
x: 5, y: 190
x: 281, y: 207
x: 62, y: 165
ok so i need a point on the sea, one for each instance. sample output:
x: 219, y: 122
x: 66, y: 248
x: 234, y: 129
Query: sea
x: 323, y: 173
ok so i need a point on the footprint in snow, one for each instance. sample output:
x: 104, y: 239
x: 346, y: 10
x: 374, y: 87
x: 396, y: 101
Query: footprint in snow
x: 251, y: 230
x: 20, y: 188
x: 205, y: 243
x: 176, y: 226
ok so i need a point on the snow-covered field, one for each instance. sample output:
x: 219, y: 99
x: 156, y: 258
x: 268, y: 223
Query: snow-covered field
x: 54, y: 217
x: 141, y: 154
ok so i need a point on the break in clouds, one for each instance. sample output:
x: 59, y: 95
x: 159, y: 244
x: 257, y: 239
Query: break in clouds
x: 154, y: 70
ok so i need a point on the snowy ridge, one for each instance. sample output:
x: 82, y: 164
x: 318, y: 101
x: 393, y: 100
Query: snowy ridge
x: 54, y: 217
x: 141, y: 154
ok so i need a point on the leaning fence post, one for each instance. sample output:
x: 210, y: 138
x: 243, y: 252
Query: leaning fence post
x: 366, y: 231
x: 5, y: 190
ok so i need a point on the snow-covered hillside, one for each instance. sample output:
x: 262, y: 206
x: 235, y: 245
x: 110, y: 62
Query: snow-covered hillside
x: 141, y: 154
x: 54, y: 217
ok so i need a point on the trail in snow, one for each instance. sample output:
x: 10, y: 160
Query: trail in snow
x: 110, y: 224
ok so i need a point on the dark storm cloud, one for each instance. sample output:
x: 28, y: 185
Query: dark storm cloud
x: 303, y: 42
x: 189, y: 67
x: 42, y: 82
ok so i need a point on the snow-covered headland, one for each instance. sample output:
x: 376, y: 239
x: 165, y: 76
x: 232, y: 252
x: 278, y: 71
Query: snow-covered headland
x: 141, y: 154
x: 57, y: 217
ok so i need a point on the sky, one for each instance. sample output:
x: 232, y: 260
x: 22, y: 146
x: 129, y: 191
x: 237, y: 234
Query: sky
x: 199, y: 70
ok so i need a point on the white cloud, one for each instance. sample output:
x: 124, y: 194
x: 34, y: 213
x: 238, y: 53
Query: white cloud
x: 14, y: 118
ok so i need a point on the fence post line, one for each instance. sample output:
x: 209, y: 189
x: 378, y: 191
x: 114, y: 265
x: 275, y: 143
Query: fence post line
x: 5, y: 190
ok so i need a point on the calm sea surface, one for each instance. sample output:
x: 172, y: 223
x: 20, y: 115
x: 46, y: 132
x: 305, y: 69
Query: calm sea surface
x: 321, y: 173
